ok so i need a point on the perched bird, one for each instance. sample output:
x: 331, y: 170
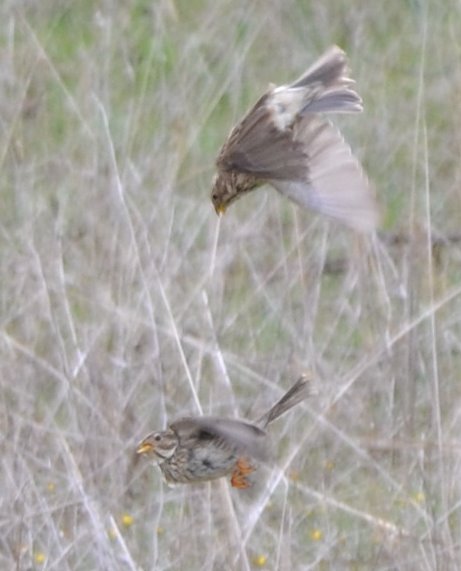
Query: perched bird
x: 202, y: 448
x: 286, y: 141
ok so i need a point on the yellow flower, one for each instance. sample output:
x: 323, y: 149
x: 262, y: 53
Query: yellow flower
x: 39, y: 557
x: 127, y: 520
x: 316, y: 535
x: 260, y: 560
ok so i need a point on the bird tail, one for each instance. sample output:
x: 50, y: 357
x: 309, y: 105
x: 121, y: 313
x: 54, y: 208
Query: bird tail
x: 327, y: 85
x: 301, y: 390
x: 324, y: 88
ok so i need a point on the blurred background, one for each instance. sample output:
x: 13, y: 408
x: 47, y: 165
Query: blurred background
x: 125, y: 302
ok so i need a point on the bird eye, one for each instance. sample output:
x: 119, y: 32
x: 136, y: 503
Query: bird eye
x: 157, y: 438
x: 214, y: 196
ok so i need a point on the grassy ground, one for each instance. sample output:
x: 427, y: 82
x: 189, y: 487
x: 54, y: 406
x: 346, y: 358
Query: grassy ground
x: 124, y: 301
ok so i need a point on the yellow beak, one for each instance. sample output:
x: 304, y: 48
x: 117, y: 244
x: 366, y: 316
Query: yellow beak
x: 144, y: 447
x: 220, y: 209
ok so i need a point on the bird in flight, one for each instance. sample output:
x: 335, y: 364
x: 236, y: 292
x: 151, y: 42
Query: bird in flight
x: 201, y: 448
x: 286, y: 141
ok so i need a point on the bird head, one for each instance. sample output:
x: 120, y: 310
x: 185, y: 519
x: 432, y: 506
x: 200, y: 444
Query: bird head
x: 223, y: 193
x: 158, y: 446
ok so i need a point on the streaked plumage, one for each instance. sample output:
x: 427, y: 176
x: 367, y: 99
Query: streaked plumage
x: 197, y: 449
x: 286, y: 141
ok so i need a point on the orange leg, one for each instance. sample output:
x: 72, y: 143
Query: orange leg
x: 242, y: 469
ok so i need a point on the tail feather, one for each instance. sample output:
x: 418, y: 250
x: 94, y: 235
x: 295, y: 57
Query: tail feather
x: 339, y: 100
x: 301, y: 390
x: 329, y: 69
x: 324, y: 88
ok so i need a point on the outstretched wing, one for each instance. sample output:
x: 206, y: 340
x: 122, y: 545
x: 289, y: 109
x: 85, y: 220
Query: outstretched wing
x: 236, y: 435
x: 335, y: 184
x: 259, y: 147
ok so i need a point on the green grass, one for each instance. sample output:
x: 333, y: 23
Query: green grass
x: 123, y: 298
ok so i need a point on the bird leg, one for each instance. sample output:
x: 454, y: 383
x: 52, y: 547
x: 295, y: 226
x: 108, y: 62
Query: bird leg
x: 242, y: 469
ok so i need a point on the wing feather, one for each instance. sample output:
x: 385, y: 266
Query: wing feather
x: 256, y: 146
x: 238, y: 435
x: 336, y: 184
